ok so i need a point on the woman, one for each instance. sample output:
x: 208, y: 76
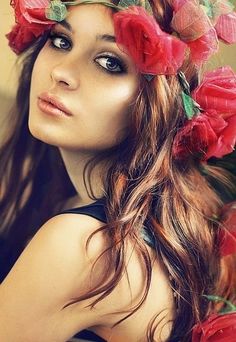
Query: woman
x: 109, y: 221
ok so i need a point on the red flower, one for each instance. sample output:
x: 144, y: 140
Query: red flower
x: 226, y: 140
x: 19, y: 38
x: 202, y: 48
x: 217, y: 328
x: 31, y: 11
x: 218, y: 91
x: 153, y: 51
x: 31, y: 23
x: 194, y: 27
x: 212, y: 133
x: 228, y: 231
x: 198, y: 135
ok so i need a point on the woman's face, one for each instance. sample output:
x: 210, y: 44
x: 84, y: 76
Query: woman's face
x: 81, y: 68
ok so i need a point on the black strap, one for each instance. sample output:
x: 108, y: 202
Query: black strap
x: 95, y: 210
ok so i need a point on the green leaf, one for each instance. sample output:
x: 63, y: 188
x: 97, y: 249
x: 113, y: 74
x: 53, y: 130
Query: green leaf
x: 149, y: 77
x: 233, y: 2
x: 189, y: 106
x: 57, y: 11
x: 143, y: 3
x: 230, y: 307
x: 209, y: 8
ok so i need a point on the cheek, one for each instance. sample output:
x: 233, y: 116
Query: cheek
x: 35, y: 82
x: 115, y: 100
x: 41, y: 70
x: 112, y: 111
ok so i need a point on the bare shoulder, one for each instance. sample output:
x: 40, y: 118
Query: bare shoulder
x: 53, y: 269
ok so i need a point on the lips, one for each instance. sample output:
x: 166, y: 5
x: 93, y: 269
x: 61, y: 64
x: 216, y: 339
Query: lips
x: 53, y: 104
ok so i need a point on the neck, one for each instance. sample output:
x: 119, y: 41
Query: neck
x: 75, y: 163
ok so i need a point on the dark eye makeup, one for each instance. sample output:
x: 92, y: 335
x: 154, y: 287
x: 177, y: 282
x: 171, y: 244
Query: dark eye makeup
x: 107, y: 62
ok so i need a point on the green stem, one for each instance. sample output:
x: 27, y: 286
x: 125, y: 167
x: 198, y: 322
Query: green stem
x: 230, y: 305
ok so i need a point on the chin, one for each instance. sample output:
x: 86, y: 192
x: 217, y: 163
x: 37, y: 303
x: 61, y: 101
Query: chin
x: 38, y: 133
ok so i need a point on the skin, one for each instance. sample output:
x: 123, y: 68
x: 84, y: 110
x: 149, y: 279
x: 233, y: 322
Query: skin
x: 100, y: 102
x: 55, y: 267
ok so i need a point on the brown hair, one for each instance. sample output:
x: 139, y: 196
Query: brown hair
x: 145, y: 187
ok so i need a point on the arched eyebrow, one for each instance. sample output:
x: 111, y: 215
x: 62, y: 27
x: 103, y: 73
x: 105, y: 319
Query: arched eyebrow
x: 66, y: 25
x: 106, y: 37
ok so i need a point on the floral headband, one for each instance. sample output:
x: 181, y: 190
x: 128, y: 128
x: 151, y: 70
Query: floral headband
x: 196, y: 27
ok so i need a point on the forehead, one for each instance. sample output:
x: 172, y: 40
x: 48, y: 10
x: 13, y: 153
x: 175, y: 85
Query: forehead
x: 90, y: 18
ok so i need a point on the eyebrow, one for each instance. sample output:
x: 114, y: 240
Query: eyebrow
x: 65, y: 24
x: 105, y: 37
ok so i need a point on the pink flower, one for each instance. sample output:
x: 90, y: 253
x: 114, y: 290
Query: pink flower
x: 204, y: 47
x: 218, y: 91
x: 216, y: 328
x: 195, y: 29
x: 153, y: 51
x: 31, y: 22
x: 226, y: 27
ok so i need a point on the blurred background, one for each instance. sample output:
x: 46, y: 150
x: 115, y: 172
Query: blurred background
x: 8, y: 80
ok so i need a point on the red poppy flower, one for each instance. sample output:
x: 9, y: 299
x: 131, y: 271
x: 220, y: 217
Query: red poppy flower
x: 153, y: 51
x: 31, y: 23
x: 217, y: 328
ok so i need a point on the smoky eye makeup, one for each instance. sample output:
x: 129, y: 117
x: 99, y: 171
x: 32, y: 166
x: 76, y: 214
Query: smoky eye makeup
x: 60, y: 41
x: 111, y: 63
x: 106, y: 61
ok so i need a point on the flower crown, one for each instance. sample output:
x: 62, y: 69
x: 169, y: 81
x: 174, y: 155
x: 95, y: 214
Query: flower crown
x: 196, y: 27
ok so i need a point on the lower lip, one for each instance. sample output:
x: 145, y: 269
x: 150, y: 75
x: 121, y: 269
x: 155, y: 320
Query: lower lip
x: 50, y: 109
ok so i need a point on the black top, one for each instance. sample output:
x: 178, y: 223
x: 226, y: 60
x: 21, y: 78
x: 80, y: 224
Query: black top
x: 97, y: 211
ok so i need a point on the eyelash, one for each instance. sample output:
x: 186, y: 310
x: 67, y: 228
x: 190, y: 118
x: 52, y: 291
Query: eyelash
x: 53, y: 36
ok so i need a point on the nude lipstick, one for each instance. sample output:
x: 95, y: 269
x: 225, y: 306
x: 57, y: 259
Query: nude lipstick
x: 52, y: 105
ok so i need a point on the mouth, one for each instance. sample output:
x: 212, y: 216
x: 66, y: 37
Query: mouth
x: 51, y: 104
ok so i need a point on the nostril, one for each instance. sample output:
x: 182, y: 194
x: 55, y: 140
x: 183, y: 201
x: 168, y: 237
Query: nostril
x: 63, y: 78
x: 64, y: 83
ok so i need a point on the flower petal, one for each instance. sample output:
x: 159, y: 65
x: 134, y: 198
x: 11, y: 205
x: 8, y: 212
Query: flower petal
x: 226, y: 28
x: 153, y: 50
x: 226, y: 141
x: 218, y: 91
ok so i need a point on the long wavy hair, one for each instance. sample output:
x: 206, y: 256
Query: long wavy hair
x: 145, y: 187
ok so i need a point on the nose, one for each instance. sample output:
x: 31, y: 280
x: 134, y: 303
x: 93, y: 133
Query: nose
x: 64, y: 75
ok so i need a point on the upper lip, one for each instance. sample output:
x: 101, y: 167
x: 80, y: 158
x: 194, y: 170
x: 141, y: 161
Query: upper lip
x: 55, y: 101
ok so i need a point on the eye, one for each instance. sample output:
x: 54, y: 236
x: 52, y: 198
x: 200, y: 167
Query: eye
x: 58, y: 41
x: 111, y: 64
